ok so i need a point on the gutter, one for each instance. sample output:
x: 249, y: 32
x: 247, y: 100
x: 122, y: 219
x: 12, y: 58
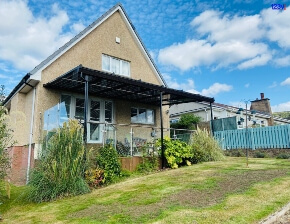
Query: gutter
x: 19, y: 86
x: 30, y: 135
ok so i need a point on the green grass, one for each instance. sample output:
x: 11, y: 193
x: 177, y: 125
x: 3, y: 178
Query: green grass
x: 213, y: 192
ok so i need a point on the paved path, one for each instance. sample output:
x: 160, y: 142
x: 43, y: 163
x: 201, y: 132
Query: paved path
x: 280, y: 217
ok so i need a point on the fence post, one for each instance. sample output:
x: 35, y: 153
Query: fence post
x: 252, y: 139
x: 131, y: 144
x: 288, y: 146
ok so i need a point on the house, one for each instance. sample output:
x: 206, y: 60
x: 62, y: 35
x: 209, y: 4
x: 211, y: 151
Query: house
x: 104, y: 77
x: 259, y: 114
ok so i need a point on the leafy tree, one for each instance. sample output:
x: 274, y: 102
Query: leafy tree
x: 5, y: 142
x: 2, y: 94
x: 187, y: 121
x: 285, y: 114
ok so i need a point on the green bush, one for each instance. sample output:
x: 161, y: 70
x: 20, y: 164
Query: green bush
x: 205, y: 148
x: 260, y: 155
x: 176, y: 152
x: 60, y: 171
x: 107, y: 159
x: 149, y: 164
x: 283, y: 156
x: 5, y: 142
x: 94, y: 177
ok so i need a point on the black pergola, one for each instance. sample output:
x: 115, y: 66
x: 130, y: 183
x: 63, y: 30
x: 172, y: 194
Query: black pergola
x: 103, y: 84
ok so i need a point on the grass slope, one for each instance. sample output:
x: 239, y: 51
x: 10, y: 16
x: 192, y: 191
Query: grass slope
x: 214, y: 192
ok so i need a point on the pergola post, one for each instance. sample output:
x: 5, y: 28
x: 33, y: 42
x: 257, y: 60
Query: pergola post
x: 86, y: 79
x: 161, y: 125
x: 211, y: 119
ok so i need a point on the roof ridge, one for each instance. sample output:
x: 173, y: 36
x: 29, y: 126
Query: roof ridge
x: 72, y: 40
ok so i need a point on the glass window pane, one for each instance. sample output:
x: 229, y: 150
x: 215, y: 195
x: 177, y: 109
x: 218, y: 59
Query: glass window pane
x: 64, y: 108
x: 106, y: 62
x: 108, y: 111
x: 115, y: 67
x: 142, y: 116
x: 80, y: 106
x: 125, y: 68
x: 134, y: 115
x: 95, y: 111
x: 94, y: 132
x: 150, y: 116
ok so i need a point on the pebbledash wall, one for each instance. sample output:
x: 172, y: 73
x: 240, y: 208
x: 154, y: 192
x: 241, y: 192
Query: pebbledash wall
x: 88, y: 52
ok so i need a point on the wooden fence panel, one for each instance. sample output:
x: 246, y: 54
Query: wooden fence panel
x: 255, y: 138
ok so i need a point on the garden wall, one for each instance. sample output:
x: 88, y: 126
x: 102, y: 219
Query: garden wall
x: 19, y: 158
x: 131, y: 163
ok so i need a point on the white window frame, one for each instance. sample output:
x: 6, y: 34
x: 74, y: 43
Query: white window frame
x: 139, y: 122
x: 120, y: 65
x: 102, y: 114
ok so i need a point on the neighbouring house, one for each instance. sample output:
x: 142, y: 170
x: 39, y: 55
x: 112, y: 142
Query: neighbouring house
x: 259, y: 114
x: 104, y: 77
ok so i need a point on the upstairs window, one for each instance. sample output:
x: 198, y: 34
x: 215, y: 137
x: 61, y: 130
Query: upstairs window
x: 115, y: 65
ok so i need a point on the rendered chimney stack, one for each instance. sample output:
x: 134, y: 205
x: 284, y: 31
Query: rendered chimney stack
x: 262, y: 96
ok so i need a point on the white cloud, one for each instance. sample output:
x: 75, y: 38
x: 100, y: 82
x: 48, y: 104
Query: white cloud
x: 274, y: 84
x: 283, y: 62
x: 277, y: 24
x: 216, y: 88
x: 222, y: 28
x: 194, y: 53
x: 281, y: 107
x: 227, y: 41
x: 254, y: 62
x: 77, y: 27
x: 238, y: 104
x: 187, y: 86
x: 3, y: 76
x: 26, y: 40
x: 231, y: 41
x: 286, y: 82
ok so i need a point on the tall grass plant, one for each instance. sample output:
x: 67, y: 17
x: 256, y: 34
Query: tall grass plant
x: 60, y: 171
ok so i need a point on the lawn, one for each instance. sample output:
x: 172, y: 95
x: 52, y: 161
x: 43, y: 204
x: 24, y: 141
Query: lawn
x: 213, y: 192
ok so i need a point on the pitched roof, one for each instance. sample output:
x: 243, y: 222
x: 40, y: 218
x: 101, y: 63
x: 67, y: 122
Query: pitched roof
x: 36, y: 72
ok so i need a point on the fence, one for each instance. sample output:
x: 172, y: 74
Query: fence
x: 255, y: 138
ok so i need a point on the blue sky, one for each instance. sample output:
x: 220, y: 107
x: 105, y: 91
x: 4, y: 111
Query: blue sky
x: 230, y: 50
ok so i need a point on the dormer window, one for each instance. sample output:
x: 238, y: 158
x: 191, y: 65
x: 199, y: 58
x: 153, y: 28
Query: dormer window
x: 115, y: 65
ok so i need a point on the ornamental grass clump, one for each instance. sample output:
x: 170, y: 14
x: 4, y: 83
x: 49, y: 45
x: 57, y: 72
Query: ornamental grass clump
x: 61, y: 169
x: 205, y: 148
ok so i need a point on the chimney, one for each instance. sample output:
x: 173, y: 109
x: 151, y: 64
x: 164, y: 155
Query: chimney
x: 262, y: 96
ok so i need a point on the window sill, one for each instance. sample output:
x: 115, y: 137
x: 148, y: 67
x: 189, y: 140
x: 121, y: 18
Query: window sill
x: 136, y: 123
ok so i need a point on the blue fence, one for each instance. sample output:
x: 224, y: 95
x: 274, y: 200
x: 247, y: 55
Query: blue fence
x: 255, y: 138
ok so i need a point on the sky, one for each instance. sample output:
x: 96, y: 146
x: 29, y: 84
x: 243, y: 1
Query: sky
x: 229, y: 50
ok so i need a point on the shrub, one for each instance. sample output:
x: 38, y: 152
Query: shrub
x: 95, y: 177
x: 60, y: 171
x: 186, y: 121
x: 176, y: 152
x: 283, y: 156
x: 5, y: 142
x: 205, y: 148
x: 260, y: 155
x: 149, y: 160
x: 107, y: 159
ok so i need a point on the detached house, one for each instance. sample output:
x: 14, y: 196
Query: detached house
x: 103, y: 76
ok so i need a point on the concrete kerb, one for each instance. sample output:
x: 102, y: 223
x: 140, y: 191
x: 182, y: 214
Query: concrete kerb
x: 274, y: 217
